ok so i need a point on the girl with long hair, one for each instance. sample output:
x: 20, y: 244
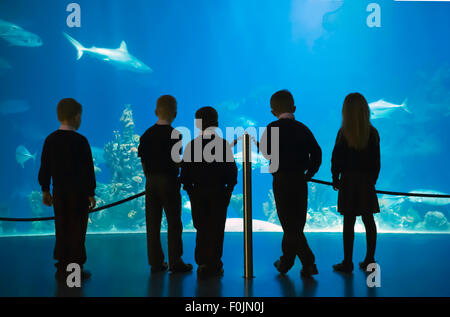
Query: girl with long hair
x: 355, y: 166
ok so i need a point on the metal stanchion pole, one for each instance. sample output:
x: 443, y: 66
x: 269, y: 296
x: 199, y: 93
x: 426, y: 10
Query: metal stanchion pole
x: 248, y: 229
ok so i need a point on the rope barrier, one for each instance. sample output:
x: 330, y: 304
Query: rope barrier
x: 143, y: 193
x: 91, y: 211
x: 391, y: 193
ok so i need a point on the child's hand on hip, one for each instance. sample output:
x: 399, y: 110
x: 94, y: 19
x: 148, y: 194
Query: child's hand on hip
x: 47, y: 199
x: 92, y: 202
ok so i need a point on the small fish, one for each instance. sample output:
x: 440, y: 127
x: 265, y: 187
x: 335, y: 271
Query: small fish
x: 383, y: 109
x: 23, y: 155
x: 97, y: 169
x: 13, y: 106
x: 15, y: 35
x: 134, y: 149
x: 136, y: 138
x: 131, y: 214
x: 137, y: 179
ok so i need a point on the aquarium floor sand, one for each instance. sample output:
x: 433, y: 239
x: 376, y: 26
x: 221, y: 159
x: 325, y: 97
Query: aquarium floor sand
x: 411, y: 265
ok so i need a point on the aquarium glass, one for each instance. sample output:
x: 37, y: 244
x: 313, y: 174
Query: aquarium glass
x: 117, y: 57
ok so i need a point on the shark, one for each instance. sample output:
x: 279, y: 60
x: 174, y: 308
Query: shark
x: 382, y: 109
x: 119, y: 57
x: 17, y: 36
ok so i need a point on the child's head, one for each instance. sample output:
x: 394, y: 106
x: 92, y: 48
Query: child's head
x: 69, y: 112
x: 208, y: 116
x: 282, y: 101
x: 166, y: 108
x: 356, y: 120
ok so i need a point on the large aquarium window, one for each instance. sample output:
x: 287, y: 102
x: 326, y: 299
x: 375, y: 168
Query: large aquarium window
x: 117, y: 57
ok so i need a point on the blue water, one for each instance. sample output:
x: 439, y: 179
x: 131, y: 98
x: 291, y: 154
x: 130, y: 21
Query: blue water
x: 232, y: 55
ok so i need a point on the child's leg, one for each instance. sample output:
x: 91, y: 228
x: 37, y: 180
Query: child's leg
x: 153, y: 216
x: 200, y: 221
x: 77, y: 214
x: 291, y: 203
x: 349, y: 236
x: 218, y: 205
x: 304, y: 253
x: 371, y: 236
x: 282, y: 199
x: 171, y: 199
x: 61, y: 232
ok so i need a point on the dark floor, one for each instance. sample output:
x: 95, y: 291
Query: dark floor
x: 411, y: 265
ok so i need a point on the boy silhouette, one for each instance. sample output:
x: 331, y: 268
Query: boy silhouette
x: 67, y: 161
x: 162, y: 188
x: 299, y: 159
x: 209, y: 174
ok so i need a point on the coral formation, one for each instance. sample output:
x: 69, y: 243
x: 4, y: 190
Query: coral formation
x: 127, y: 179
x: 270, y: 210
x: 397, y: 213
x: 435, y: 221
x: 237, y: 204
x: 39, y: 210
x: 6, y: 227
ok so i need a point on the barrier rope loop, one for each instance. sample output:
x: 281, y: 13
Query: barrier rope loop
x: 143, y: 193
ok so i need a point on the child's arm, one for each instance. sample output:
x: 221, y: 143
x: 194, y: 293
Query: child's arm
x: 177, y: 141
x: 142, y: 155
x: 231, y: 168
x: 376, y: 157
x: 265, y: 143
x: 315, y: 157
x: 144, y: 167
x: 45, y: 176
x: 90, y: 172
x: 186, y: 170
x: 336, y: 162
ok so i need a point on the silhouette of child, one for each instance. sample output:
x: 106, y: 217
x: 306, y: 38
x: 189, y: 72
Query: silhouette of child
x: 209, y: 174
x: 298, y: 154
x: 163, y: 188
x: 67, y: 161
x: 355, y: 166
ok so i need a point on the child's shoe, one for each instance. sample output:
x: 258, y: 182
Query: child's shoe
x: 159, y: 268
x: 181, y: 267
x: 344, y: 267
x: 282, y: 268
x: 309, y: 270
x: 85, y: 275
x: 363, y: 265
